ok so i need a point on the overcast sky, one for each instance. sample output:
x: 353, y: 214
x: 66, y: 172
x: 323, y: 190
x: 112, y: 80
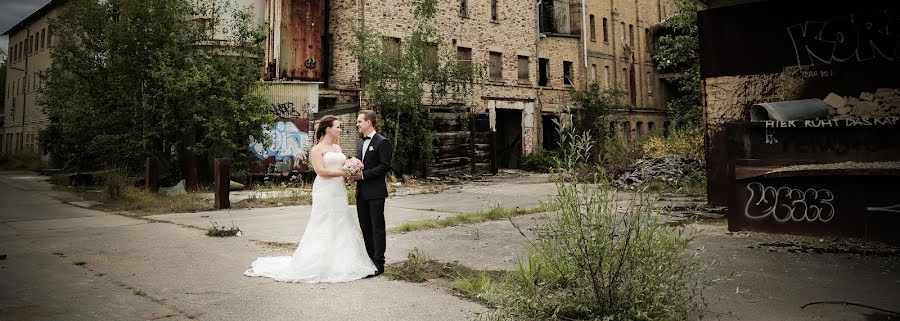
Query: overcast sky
x: 13, y: 11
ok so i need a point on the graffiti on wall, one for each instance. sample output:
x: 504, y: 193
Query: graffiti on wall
x: 785, y: 204
x: 287, y: 142
x: 854, y: 37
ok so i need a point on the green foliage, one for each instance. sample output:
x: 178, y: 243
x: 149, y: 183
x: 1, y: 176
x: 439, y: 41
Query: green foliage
x: 678, y: 54
x: 594, y: 259
x: 23, y: 161
x: 115, y: 182
x: 131, y: 78
x: 402, y: 81
x: 539, y: 161
x: 683, y: 141
x: 596, y: 108
x: 215, y: 230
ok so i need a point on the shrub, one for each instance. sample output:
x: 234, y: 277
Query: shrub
x: 591, y: 261
x: 25, y: 162
x: 683, y: 141
x: 539, y: 161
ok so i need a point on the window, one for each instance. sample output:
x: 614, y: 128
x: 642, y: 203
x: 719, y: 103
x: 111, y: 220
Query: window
x: 605, y: 32
x: 49, y: 36
x: 494, y: 10
x: 43, y: 40
x: 594, y: 72
x: 650, y: 127
x: 523, y: 70
x: 593, y: 30
x: 606, y: 76
x: 647, y: 41
x: 392, y: 45
x: 431, y: 57
x: 624, y: 81
x: 13, y: 54
x: 639, y: 129
x: 649, y: 84
x: 463, y: 8
x: 543, y: 72
x: 631, y: 36
x: 37, y: 42
x: 626, y: 132
x: 464, y: 56
x: 496, y: 61
x: 567, y: 73
x: 21, y: 49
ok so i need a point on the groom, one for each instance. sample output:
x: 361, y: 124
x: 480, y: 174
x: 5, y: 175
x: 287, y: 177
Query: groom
x: 371, y: 190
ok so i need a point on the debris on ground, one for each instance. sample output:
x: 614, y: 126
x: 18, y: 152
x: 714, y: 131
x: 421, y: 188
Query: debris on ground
x: 669, y: 169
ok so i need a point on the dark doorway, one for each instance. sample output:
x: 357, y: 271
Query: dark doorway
x: 551, y: 132
x: 509, y: 138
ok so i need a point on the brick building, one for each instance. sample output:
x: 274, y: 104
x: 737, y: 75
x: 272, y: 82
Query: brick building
x: 30, y: 41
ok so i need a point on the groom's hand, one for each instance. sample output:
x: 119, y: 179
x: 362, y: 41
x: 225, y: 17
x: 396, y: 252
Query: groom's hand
x: 357, y: 177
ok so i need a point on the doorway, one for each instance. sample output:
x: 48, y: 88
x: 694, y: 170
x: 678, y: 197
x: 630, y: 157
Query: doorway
x: 509, y: 138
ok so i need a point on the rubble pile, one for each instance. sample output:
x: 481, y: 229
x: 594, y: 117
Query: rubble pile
x: 882, y: 103
x: 670, y: 169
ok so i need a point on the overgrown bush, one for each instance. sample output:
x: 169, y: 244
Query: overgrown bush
x: 683, y: 141
x: 115, y: 182
x: 23, y: 162
x: 539, y: 161
x: 592, y: 261
x: 618, y: 155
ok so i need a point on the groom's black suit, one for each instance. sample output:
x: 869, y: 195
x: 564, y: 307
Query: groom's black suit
x: 371, y: 193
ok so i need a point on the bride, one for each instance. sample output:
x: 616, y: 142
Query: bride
x: 332, y: 248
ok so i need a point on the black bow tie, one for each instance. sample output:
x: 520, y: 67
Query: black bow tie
x: 366, y: 137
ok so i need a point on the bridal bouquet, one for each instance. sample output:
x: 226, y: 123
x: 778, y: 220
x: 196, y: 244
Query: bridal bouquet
x: 353, y: 166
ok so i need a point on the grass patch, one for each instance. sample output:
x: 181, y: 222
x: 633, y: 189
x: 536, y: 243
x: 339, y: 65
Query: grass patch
x: 296, y: 198
x: 21, y: 162
x: 694, y: 187
x: 139, y: 201
x: 497, y: 212
x: 466, y: 282
x: 221, y: 231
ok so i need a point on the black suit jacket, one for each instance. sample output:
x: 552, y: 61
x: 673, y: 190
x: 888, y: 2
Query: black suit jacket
x: 377, y: 164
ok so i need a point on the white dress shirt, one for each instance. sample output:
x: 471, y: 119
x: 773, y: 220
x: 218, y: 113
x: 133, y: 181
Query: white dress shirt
x: 366, y: 142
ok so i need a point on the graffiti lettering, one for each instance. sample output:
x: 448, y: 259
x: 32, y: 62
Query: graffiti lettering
x: 860, y: 37
x: 284, y: 110
x: 786, y: 204
x: 853, y: 122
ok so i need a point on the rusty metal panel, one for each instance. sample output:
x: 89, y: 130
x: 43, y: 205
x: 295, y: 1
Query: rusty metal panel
x: 302, y: 26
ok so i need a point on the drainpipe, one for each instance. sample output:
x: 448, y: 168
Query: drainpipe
x: 584, y: 42
x: 615, y: 50
x: 537, y: 56
x: 25, y: 90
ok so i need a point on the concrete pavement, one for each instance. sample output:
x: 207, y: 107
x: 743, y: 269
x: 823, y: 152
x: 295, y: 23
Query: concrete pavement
x: 69, y: 263
x: 180, y: 273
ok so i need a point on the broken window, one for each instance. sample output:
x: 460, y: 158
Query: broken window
x: 496, y: 61
x: 43, y: 35
x: 555, y: 17
x: 431, y: 57
x: 626, y: 132
x: 593, y: 30
x: 567, y: 73
x: 650, y: 127
x: 543, y: 72
x: 463, y: 8
x: 639, y: 130
x: 523, y: 70
x: 594, y: 72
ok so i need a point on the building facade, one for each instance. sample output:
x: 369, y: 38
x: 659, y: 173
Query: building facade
x: 29, y: 57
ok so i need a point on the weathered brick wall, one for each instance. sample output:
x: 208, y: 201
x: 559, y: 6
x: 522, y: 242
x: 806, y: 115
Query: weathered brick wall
x: 23, y: 90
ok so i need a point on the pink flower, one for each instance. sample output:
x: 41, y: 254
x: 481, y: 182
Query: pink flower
x: 353, y: 166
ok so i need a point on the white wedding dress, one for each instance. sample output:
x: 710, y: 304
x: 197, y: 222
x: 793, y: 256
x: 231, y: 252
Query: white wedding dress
x: 332, y: 247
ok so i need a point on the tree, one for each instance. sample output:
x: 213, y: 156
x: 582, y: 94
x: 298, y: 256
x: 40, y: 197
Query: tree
x: 678, y: 55
x: 132, y: 78
x: 402, y: 80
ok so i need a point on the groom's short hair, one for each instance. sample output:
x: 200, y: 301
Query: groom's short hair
x: 369, y: 115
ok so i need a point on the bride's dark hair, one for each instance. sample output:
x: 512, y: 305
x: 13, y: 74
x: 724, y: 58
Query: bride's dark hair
x: 324, y: 122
